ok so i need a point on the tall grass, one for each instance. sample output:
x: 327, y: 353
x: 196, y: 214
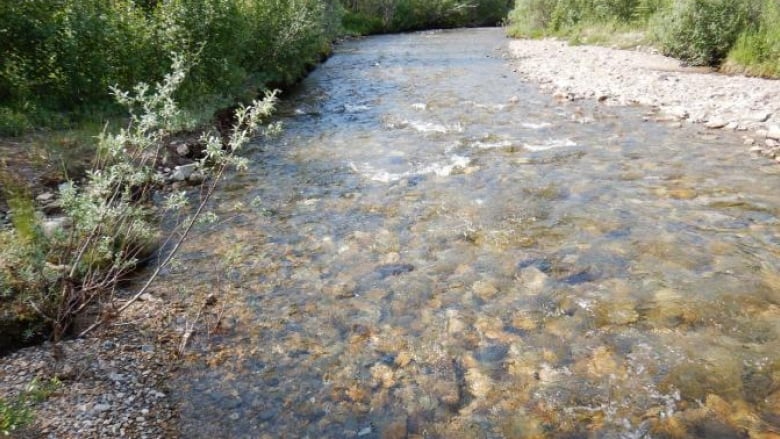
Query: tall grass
x: 757, y: 50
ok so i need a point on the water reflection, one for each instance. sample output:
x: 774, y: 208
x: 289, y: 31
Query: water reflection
x: 434, y: 249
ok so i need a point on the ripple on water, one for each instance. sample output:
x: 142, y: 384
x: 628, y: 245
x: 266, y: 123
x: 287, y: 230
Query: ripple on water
x: 422, y: 259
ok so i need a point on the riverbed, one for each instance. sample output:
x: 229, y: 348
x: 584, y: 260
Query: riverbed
x: 435, y: 248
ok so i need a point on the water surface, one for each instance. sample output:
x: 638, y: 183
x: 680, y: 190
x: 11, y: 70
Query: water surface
x: 435, y: 249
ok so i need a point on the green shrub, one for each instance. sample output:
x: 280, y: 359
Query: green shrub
x: 12, y: 122
x: 700, y: 32
x: 17, y: 412
x: 539, y: 17
x: 757, y: 50
x: 63, y: 55
x: 531, y: 18
x: 357, y: 23
x: 406, y: 15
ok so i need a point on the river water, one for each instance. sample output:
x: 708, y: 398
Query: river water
x: 435, y: 249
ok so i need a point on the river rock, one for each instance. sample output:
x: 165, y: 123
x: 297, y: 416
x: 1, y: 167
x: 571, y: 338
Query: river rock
x: 196, y: 177
x: 44, y: 197
x: 602, y: 364
x: 760, y: 117
x: 773, y: 132
x: 678, y: 113
x: 620, y: 312
x: 444, y: 383
x: 397, y: 429
x: 533, y: 280
x: 52, y: 225
x: 382, y: 376
x: 479, y: 384
x: 485, y: 289
x: 182, y: 149
x: 183, y: 172
x: 715, y: 124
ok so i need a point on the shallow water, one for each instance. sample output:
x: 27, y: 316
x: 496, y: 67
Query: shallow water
x: 435, y: 249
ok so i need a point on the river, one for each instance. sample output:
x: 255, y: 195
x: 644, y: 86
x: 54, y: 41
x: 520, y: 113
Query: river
x: 435, y: 249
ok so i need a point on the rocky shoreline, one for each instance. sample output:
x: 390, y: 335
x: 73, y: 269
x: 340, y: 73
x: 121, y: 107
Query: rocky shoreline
x: 113, y: 384
x: 676, y: 93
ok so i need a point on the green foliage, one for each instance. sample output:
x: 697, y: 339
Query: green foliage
x: 17, y: 413
x: 109, y: 224
x: 531, y: 18
x: 63, y: 55
x: 13, y: 122
x: 358, y: 23
x: 376, y: 16
x: 701, y: 32
x: 539, y: 17
x: 757, y: 50
x: 14, y: 415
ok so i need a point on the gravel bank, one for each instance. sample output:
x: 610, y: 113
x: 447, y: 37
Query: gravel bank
x: 624, y: 77
x: 112, y: 385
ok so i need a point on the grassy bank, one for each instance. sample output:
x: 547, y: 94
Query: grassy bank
x: 739, y: 37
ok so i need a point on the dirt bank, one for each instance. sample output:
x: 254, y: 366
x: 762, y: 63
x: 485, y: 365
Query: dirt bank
x: 677, y: 92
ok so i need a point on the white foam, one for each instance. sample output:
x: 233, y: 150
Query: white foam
x: 491, y: 145
x: 423, y: 127
x: 420, y: 106
x: 535, y: 126
x: 550, y: 144
x: 355, y: 108
x: 438, y: 169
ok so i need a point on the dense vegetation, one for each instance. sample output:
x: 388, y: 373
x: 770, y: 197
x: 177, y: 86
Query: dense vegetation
x: 378, y: 16
x: 58, y: 58
x: 742, y: 36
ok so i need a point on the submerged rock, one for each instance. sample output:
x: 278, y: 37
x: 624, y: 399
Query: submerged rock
x: 389, y: 270
x: 579, y: 278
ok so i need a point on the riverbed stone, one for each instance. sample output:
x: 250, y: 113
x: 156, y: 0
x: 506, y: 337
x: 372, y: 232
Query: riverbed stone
x: 715, y: 124
x: 616, y: 312
x: 773, y: 132
x: 533, y: 280
x: 485, y: 289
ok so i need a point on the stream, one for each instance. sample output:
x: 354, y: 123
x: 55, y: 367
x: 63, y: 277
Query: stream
x: 433, y: 248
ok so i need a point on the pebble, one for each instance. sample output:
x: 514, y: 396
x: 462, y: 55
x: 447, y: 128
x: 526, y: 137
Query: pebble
x: 96, y: 378
x: 630, y: 77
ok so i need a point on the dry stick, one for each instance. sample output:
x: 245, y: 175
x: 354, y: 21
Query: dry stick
x: 167, y: 259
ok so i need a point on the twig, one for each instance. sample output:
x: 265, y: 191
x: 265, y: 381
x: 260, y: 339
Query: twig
x: 168, y: 257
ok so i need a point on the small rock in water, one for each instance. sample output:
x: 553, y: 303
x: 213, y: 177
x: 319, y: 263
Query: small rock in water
x: 579, y: 278
x: 544, y: 265
x: 492, y: 353
x: 533, y: 280
x: 388, y: 270
x: 485, y: 289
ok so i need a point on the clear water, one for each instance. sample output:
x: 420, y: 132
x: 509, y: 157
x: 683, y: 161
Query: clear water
x: 435, y: 249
